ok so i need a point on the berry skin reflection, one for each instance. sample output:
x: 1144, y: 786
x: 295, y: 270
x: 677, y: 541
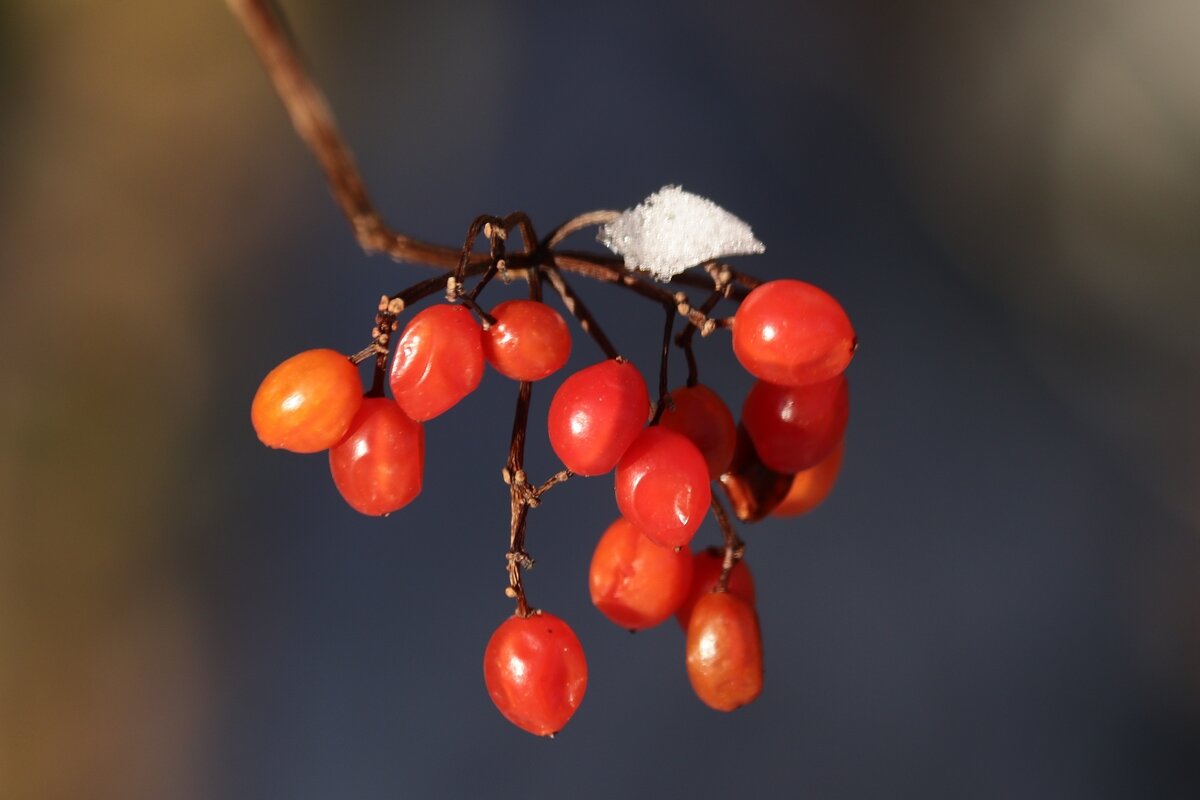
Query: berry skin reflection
x: 438, y: 362
x: 662, y: 486
x: 634, y: 582
x: 792, y: 333
x: 305, y: 404
x: 535, y: 672
x: 379, y: 466
x: 724, y: 651
x: 596, y: 414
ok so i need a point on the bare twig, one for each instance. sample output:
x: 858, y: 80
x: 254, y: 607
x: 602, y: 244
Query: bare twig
x: 577, y: 309
x: 663, y: 366
x: 519, y: 494
x: 589, y: 219
x: 722, y: 286
x: 734, y: 547
x: 314, y: 123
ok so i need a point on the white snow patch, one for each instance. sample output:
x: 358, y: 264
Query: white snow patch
x: 672, y: 230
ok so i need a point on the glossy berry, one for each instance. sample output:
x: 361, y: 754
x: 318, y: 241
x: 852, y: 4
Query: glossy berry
x: 811, y: 486
x: 438, y: 361
x: 535, y: 672
x: 706, y: 571
x: 378, y: 466
x: 699, y: 414
x: 796, y: 427
x: 724, y: 651
x: 634, y: 582
x: 306, y: 403
x: 792, y: 333
x: 529, y: 341
x: 662, y: 486
x: 595, y: 415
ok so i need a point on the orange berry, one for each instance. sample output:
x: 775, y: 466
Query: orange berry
x: 306, y: 403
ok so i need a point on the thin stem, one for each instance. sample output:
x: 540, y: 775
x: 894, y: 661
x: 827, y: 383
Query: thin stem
x: 687, y: 335
x: 363, y: 355
x: 515, y: 472
x: 520, y: 221
x: 663, y: 366
x: 497, y: 235
x: 487, y: 318
x: 464, y: 257
x: 740, y: 279
x: 652, y: 291
x: 586, y: 220
x: 521, y: 496
x: 577, y: 309
x: 734, y: 547
x: 609, y: 269
x: 381, y: 337
x: 536, y: 492
x: 313, y: 121
x: 721, y: 288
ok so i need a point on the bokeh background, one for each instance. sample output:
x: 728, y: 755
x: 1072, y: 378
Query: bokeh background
x: 1001, y: 598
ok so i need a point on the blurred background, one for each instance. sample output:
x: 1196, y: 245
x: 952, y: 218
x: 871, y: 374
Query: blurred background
x: 1001, y: 597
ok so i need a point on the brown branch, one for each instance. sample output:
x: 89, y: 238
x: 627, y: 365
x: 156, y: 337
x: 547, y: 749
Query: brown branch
x: 585, y: 220
x: 722, y: 286
x: 579, y: 311
x: 314, y: 123
x: 514, y: 474
x: 663, y: 366
x: 734, y: 546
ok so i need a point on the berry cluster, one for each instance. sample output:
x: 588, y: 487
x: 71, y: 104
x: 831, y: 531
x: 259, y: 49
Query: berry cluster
x: 783, y: 458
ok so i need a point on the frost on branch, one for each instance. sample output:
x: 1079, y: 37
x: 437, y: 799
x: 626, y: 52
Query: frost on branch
x: 672, y: 230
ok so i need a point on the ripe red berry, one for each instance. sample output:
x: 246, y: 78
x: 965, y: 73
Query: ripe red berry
x: 535, y: 672
x: 528, y: 342
x: 662, y: 486
x: 596, y: 414
x: 378, y: 466
x: 795, y: 427
x: 811, y: 486
x: 634, y: 582
x: 706, y: 571
x: 306, y: 403
x: 700, y: 415
x: 724, y: 651
x: 438, y: 362
x: 792, y: 333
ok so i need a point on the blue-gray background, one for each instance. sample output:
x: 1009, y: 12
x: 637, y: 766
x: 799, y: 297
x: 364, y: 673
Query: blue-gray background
x: 999, y: 600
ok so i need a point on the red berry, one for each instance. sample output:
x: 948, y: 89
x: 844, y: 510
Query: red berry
x: 378, y: 466
x: 700, y: 415
x: 811, y: 486
x: 306, y: 403
x: 438, y: 362
x: 528, y: 342
x: 795, y: 427
x: 596, y: 414
x: 535, y: 672
x: 662, y: 486
x: 634, y: 582
x: 706, y: 571
x: 724, y: 651
x: 792, y: 333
